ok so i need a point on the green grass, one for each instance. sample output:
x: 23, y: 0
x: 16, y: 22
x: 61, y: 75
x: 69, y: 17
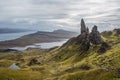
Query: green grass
x: 8, y: 74
x: 95, y: 74
x: 64, y: 63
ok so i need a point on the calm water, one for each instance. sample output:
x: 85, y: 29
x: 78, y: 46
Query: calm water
x: 42, y: 45
x: 10, y: 36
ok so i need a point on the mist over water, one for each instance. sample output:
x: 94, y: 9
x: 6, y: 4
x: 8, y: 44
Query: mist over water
x: 45, y: 45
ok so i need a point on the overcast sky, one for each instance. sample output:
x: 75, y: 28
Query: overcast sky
x: 56, y: 14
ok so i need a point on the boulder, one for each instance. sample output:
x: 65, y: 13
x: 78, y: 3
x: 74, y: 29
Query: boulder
x: 33, y: 62
x: 104, y: 47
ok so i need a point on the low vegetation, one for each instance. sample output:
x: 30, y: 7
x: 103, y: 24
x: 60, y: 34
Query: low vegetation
x: 67, y: 62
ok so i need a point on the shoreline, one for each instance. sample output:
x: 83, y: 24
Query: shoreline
x: 38, y: 37
x: 44, y: 45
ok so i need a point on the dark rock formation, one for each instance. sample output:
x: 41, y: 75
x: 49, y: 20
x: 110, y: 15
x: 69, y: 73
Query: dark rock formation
x: 104, y: 47
x: 117, y: 31
x: 85, y: 43
x: 84, y: 37
x: 87, y: 30
x: 83, y: 26
x: 95, y: 37
x: 117, y: 70
x: 85, y: 67
x: 33, y: 62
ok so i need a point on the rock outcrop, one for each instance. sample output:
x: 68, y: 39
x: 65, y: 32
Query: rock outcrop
x: 95, y: 37
x: 104, y: 47
x: 86, y: 39
x: 33, y: 62
x: 83, y: 26
x: 117, y: 31
x: 85, y: 43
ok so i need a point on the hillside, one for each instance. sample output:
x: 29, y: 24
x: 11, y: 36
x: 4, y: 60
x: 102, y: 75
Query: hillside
x: 38, y: 37
x: 89, y: 56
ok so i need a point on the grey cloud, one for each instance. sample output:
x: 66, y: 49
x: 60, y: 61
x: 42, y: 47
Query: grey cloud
x: 65, y: 13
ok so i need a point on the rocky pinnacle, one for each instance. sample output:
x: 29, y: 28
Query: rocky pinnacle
x: 83, y: 26
x: 95, y: 37
x: 86, y: 38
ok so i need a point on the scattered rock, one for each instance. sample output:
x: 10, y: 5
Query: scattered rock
x: 118, y: 72
x: 117, y: 31
x: 33, y: 62
x: 104, y: 47
x: 85, y: 67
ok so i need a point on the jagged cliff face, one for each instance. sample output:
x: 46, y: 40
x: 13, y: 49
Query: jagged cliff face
x: 83, y: 27
x: 95, y: 37
x: 86, y: 38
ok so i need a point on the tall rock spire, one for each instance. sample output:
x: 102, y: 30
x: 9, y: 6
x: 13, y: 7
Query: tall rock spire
x: 83, y: 26
x: 94, y: 29
x: 87, y: 30
x: 84, y: 37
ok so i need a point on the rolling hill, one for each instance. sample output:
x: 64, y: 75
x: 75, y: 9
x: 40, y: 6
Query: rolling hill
x: 38, y: 37
x: 89, y: 56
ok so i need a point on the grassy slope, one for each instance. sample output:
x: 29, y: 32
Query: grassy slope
x: 65, y: 63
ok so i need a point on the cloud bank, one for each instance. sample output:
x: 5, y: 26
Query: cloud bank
x: 59, y: 14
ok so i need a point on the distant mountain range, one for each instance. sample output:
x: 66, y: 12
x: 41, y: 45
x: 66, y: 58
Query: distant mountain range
x: 9, y: 30
x: 38, y: 37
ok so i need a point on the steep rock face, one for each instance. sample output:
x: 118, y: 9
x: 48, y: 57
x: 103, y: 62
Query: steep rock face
x: 85, y: 43
x: 95, y: 37
x: 84, y: 37
x: 83, y: 26
x: 85, y: 40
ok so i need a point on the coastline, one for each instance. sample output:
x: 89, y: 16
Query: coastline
x: 38, y: 37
